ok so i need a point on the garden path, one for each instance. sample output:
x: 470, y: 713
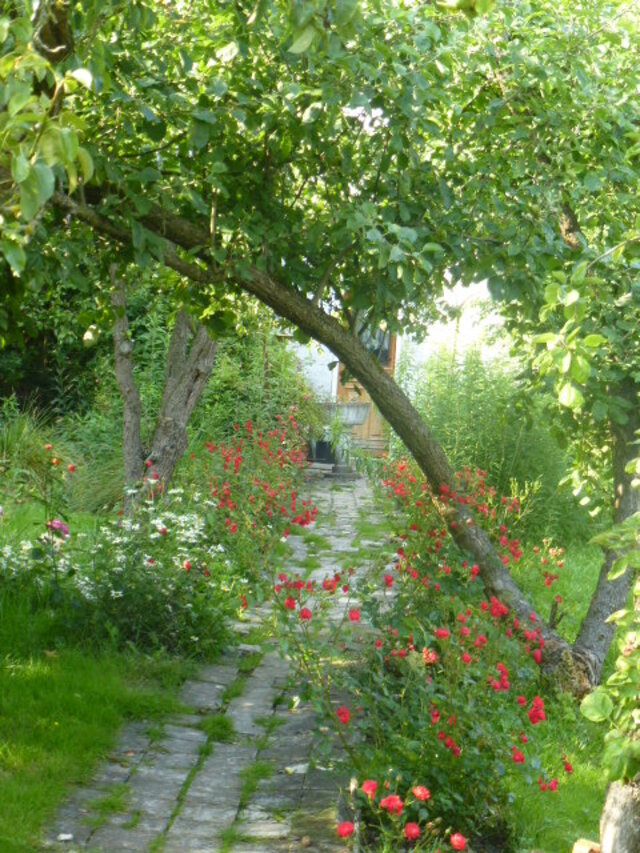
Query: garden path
x: 263, y: 791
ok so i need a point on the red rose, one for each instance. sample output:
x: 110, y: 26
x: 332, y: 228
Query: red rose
x: 343, y: 714
x: 370, y: 786
x: 458, y: 841
x: 345, y: 829
x: 411, y: 831
x: 392, y: 803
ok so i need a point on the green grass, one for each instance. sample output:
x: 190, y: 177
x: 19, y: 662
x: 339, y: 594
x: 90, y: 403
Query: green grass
x: 578, y: 579
x: 251, y: 778
x: 248, y: 663
x: 217, y: 728
x: 115, y: 801
x: 60, y: 713
x: 551, y: 821
x: 235, y: 689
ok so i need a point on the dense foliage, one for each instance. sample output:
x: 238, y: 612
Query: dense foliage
x: 481, y: 414
x: 440, y: 689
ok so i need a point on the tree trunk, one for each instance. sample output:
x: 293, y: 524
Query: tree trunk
x: 595, y: 635
x: 132, y: 406
x: 620, y: 819
x: 186, y: 376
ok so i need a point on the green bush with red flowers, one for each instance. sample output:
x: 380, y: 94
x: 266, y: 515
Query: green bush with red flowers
x: 439, y: 688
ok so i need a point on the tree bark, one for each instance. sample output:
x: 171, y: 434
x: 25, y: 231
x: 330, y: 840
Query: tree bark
x: 132, y: 406
x: 186, y: 376
x: 187, y: 372
x: 620, y: 819
x: 595, y: 635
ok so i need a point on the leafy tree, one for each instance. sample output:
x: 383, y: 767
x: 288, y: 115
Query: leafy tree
x: 340, y: 162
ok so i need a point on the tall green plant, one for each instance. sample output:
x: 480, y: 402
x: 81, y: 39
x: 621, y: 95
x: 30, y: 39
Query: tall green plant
x: 479, y: 414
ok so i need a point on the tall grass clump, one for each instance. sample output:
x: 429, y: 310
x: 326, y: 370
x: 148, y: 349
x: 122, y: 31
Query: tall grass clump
x: 478, y: 413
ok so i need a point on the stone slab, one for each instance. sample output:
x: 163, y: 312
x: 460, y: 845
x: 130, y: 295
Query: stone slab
x: 203, y: 695
x: 258, y: 822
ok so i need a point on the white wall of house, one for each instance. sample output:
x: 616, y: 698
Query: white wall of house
x: 315, y: 363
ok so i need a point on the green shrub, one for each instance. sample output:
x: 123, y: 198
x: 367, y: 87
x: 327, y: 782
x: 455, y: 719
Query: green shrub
x: 479, y: 414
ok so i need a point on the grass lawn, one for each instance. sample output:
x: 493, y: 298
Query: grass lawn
x: 60, y: 712
x: 551, y: 821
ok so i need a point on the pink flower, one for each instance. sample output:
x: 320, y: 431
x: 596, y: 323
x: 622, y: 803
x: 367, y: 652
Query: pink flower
x: 420, y: 792
x: 290, y: 603
x: 412, y: 831
x: 59, y: 525
x: 345, y: 829
x: 458, y: 841
x: 442, y: 633
x: 305, y: 614
x: 466, y: 657
x: 370, y: 786
x: 354, y: 615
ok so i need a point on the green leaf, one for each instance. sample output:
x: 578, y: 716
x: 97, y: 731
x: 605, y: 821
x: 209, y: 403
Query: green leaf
x: 597, y: 706
x: 206, y: 116
x: 19, y: 168
x: 578, y: 276
x: 544, y: 338
x: 228, y: 53
x: 137, y: 235
x: 86, y: 163
x: 199, y: 134
x: 19, y: 99
x: 592, y: 181
x: 344, y: 11
x: 593, y: 341
x: 4, y: 29
x: 35, y: 190
x: 303, y: 40
x: 14, y: 255
x: 618, y: 568
x: 72, y: 176
x: 570, y: 397
x: 580, y: 369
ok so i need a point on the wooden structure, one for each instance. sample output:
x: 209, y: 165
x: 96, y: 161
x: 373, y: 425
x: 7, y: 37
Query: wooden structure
x: 373, y: 434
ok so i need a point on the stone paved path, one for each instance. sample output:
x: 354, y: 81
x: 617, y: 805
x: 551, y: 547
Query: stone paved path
x: 261, y: 792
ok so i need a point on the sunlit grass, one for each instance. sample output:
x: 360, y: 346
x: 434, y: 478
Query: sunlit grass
x: 577, y: 581
x: 552, y: 821
x: 60, y: 713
